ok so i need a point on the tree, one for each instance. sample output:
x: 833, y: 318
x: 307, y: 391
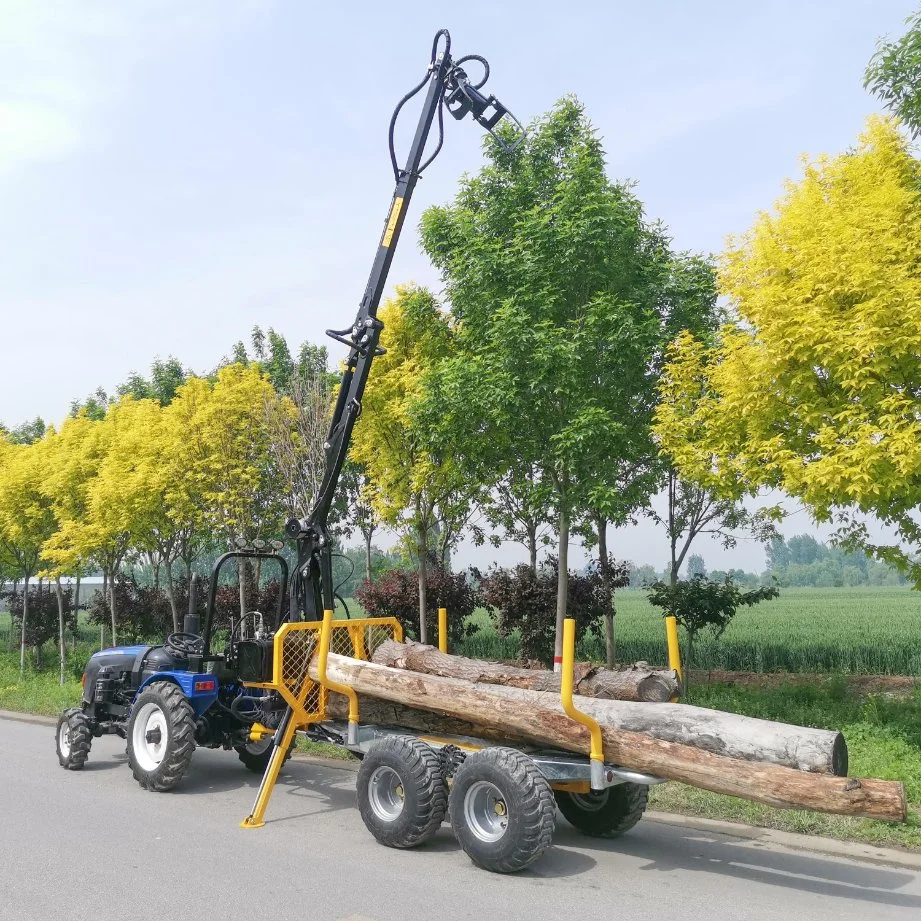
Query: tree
x: 696, y: 566
x: 894, y: 74
x: 26, y: 519
x: 354, y: 509
x: 815, y: 387
x: 559, y: 290
x: 700, y: 603
x: 415, y: 485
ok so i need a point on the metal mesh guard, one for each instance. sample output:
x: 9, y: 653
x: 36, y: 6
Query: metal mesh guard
x: 357, y: 639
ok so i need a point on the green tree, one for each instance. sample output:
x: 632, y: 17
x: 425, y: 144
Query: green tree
x: 894, y: 74
x: 815, y: 387
x: 560, y: 294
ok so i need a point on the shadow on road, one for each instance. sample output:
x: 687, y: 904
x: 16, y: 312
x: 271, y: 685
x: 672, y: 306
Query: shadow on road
x: 669, y: 848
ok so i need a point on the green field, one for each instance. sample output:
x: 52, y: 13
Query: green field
x: 874, y: 631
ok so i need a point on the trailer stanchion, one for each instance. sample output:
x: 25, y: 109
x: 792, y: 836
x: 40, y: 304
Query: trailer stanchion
x: 323, y: 681
x: 443, y: 629
x: 674, y: 650
x: 596, y: 753
x: 256, y: 818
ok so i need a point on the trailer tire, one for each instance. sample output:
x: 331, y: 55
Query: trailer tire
x: 402, y: 793
x: 606, y: 813
x: 161, y: 736
x: 502, y: 810
x: 73, y: 739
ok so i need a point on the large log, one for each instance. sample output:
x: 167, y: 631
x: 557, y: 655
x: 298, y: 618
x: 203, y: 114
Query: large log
x: 513, y: 713
x: 818, y: 750
x: 639, y: 683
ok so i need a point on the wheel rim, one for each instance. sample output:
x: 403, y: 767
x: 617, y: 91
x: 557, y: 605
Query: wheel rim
x: 486, y: 811
x: 64, y: 738
x: 149, y: 737
x: 386, y: 794
x: 591, y: 802
x: 260, y: 747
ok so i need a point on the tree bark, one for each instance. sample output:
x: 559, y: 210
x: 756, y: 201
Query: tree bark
x: 367, y: 536
x: 604, y: 565
x: 73, y: 636
x: 423, y: 549
x: 562, y: 585
x: 536, y: 718
x: 171, y: 594
x: 25, y: 617
x: 62, y: 649
x: 636, y: 684
x: 112, y: 606
x: 9, y: 636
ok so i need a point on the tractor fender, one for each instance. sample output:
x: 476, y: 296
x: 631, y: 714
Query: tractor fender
x: 200, y: 688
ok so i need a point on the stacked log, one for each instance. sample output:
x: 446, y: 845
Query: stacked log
x: 783, y: 766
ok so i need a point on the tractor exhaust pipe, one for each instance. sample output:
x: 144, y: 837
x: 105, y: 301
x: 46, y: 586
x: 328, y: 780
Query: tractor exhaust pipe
x: 192, y: 623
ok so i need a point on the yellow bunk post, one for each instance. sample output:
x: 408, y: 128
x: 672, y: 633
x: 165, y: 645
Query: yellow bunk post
x: 674, y: 650
x: 443, y: 629
x: 322, y: 656
x: 597, y: 749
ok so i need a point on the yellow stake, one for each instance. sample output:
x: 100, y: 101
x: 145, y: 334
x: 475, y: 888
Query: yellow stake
x: 325, y: 633
x: 569, y: 655
x: 443, y: 629
x: 674, y: 650
x: 255, y: 819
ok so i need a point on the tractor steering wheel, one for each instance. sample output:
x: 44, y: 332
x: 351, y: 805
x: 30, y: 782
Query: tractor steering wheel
x: 186, y: 644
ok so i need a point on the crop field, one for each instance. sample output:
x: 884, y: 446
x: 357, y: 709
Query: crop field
x: 843, y: 630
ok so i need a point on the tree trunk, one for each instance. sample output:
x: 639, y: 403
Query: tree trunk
x: 25, y: 617
x: 62, y: 648
x: 368, y: 535
x: 562, y: 586
x: 637, y: 683
x: 532, y: 548
x: 510, y: 713
x: 112, y: 605
x: 9, y: 636
x: 73, y: 636
x: 423, y: 549
x: 242, y: 571
x: 171, y: 594
x: 610, y: 610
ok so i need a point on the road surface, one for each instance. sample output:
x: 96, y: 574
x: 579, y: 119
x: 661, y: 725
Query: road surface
x: 94, y: 846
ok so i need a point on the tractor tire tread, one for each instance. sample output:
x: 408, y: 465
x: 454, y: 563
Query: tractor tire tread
x: 625, y: 807
x: 81, y: 739
x: 176, y: 763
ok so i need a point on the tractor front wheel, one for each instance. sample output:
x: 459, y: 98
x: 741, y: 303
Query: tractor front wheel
x: 161, y: 736
x: 73, y: 739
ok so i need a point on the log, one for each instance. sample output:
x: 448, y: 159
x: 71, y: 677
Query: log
x: 537, y: 718
x: 818, y: 750
x: 639, y: 683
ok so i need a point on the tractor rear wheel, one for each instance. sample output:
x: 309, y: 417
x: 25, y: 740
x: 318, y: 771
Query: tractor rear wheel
x: 74, y: 737
x: 606, y: 813
x: 257, y: 755
x: 161, y: 736
x: 402, y: 793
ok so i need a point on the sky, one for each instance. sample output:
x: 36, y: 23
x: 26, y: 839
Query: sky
x: 172, y: 173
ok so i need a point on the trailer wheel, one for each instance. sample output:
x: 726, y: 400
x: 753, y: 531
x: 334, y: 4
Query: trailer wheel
x: 402, y: 793
x: 502, y: 810
x: 161, y: 736
x: 73, y: 738
x: 606, y: 813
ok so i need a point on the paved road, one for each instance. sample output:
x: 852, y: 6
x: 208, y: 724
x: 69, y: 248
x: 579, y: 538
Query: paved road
x: 93, y: 845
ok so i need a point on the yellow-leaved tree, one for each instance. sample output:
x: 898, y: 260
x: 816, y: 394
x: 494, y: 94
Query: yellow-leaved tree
x: 414, y: 488
x: 815, y: 387
x: 26, y: 519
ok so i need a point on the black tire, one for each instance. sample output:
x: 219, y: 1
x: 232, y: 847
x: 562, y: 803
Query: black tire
x: 502, y: 810
x: 73, y: 739
x: 606, y: 813
x: 161, y: 736
x: 402, y: 793
x: 255, y: 758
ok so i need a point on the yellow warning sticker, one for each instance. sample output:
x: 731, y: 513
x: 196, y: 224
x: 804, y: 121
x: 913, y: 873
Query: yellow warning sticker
x: 392, y: 222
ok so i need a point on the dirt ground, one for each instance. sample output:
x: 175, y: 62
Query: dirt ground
x: 896, y: 685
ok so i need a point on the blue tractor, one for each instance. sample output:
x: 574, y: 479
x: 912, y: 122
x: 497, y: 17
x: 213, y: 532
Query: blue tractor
x: 166, y: 700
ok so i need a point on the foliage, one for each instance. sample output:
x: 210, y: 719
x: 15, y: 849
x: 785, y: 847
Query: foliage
x: 700, y: 604
x: 525, y: 601
x: 42, y: 619
x: 894, y: 74
x: 802, y: 560
x: 395, y: 593
x: 563, y: 297
x: 815, y: 388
